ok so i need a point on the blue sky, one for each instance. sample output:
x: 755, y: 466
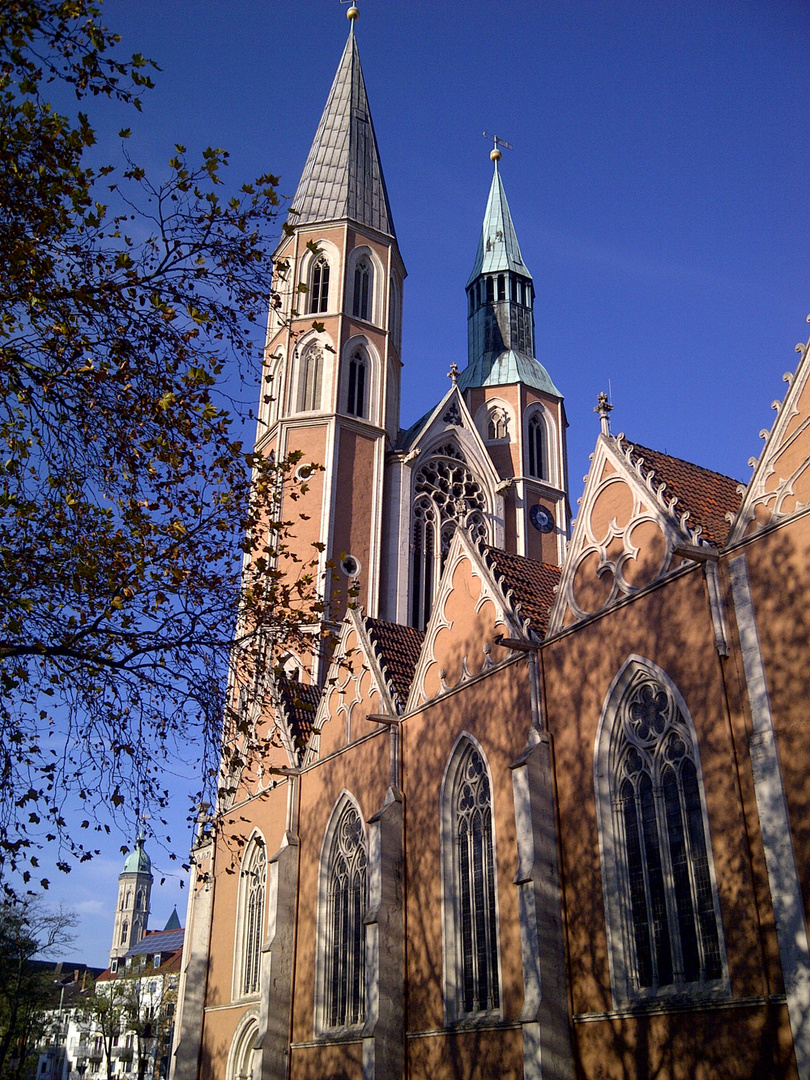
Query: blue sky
x: 658, y: 184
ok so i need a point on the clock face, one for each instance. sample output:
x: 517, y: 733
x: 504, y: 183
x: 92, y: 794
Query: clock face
x: 541, y: 518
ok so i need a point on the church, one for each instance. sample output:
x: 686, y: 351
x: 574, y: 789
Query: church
x: 543, y: 812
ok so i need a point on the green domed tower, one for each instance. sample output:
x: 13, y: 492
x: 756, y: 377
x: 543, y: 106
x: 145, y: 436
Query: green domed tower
x: 132, y: 909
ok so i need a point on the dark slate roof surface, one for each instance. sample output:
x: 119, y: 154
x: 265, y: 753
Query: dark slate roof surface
x: 707, y: 495
x: 532, y: 584
x: 301, y: 702
x: 397, y: 648
x: 343, y: 177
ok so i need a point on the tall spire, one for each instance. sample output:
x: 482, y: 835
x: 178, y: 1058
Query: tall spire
x: 500, y: 293
x: 498, y: 247
x: 343, y: 177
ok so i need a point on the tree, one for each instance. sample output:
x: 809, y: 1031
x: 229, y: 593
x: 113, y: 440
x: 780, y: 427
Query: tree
x: 128, y: 309
x: 27, y: 929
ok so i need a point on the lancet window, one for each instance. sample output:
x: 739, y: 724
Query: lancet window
x: 472, y: 983
x: 252, y: 888
x: 319, y: 286
x: 310, y: 378
x: 361, y: 307
x: 344, y: 975
x: 657, y: 851
x: 358, y: 368
x: 447, y: 496
x: 534, y: 446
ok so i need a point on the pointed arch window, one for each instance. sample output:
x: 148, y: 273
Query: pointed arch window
x: 472, y: 980
x: 252, y: 889
x: 361, y: 306
x: 534, y: 446
x: 319, y: 286
x: 496, y: 424
x: 358, y: 370
x: 124, y: 932
x: 660, y: 895
x: 310, y: 378
x: 446, y: 496
x: 343, y: 931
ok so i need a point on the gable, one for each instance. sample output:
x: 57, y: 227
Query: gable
x: 469, y: 613
x: 356, y: 688
x: 780, y: 485
x: 626, y: 534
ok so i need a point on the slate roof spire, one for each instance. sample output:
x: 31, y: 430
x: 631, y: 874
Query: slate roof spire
x: 343, y: 177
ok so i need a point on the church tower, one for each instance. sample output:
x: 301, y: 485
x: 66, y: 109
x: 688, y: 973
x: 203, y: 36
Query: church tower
x: 518, y: 410
x: 332, y: 361
x: 132, y: 909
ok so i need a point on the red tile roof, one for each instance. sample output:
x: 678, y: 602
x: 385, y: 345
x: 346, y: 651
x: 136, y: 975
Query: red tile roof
x: 707, y: 495
x: 300, y: 701
x: 397, y: 648
x: 532, y: 584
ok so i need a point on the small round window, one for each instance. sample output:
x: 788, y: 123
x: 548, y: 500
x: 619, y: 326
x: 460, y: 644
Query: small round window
x: 350, y: 566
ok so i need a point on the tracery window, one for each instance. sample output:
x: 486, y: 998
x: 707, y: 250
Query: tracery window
x: 253, y: 885
x: 311, y: 375
x: 534, y: 447
x: 472, y: 985
x: 446, y: 496
x: 356, y: 404
x: 344, y: 981
x: 319, y: 288
x: 659, y: 840
x: 362, y: 290
x: 496, y: 424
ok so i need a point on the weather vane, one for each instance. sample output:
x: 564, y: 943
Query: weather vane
x: 495, y: 154
x: 353, y: 13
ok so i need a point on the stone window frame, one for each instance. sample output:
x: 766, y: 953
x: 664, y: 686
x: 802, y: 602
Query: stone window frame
x: 453, y: 974
x: 345, y: 803
x: 248, y: 939
x: 547, y: 470
x: 619, y: 920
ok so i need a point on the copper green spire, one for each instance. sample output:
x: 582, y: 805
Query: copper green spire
x: 500, y: 296
x: 343, y: 177
x: 498, y: 247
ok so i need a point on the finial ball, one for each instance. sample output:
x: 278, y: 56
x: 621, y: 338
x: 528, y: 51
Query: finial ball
x: 495, y: 155
x: 353, y: 13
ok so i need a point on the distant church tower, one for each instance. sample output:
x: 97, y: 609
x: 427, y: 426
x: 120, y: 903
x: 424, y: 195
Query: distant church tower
x: 132, y: 909
x: 332, y: 390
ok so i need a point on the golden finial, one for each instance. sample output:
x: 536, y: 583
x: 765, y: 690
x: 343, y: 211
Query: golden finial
x: 495, y: 154
x: 353, y: 13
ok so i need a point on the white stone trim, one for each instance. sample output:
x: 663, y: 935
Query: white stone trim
x: 243, y: 1056
x: 255, y: 840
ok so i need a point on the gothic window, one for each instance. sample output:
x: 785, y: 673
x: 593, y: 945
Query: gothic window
x: 319, y: 286
x: 534, y: 446
x: 252, y: 888
x: 446, y: 496
x: 310, y: 377
x: 660, y: 894
x: 472, y: 983
x: 362, y: 290
x: 358, y: 367
x: 496, y: 424
x: 124, y: 932
x: 344, y: 938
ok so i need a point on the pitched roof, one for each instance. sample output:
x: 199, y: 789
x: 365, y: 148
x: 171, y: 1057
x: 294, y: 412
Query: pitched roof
x: 161, y: 941
x: 300, y: 702
x: 707, y: 495
x: 498, y: 247
x: 397, y: 648
x: 343, y: 177
x: 532, y: 584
